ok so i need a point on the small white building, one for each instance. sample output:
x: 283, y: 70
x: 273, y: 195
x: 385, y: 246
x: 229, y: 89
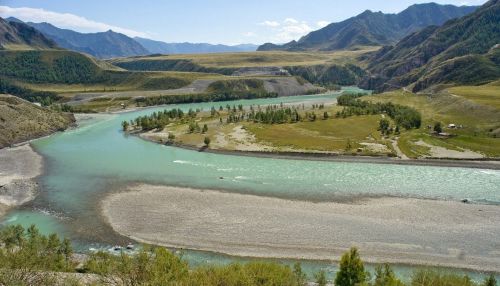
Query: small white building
x: 452, y: 126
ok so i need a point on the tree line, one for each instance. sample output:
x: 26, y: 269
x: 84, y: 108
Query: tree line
x: 158, y: 120
x: 404, y: 116
x: 46, y: 98
x: 28, y: 257
x: 201, y: 97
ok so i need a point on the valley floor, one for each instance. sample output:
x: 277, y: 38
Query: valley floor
x: 475, y: 138
x: 395, y: 230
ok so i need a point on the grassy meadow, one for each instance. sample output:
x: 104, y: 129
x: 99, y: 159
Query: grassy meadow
x: 261, y: 59
x: 333, y: 134
x: 488, y: 94
x: 480, y: 120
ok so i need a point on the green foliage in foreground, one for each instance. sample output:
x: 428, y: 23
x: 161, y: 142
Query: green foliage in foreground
x: 30, y: 258
x: 351, y: 270
x: 26, y: 254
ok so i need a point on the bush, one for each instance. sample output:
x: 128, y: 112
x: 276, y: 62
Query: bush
x: 434, y: 278
x: 26, y: 255
x: 437, y: 127
x: 206, y: 141
x: 151, y: 266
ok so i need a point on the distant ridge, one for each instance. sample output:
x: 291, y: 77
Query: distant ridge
x: 158, y: 47
x: 111, y: 44
x: 101, y: 45
x: 18, y: 35
x: 374, y: 28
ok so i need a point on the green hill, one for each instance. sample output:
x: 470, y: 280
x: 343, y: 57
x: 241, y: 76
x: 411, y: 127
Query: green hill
x: 463, y: 51
x: 33, y: 74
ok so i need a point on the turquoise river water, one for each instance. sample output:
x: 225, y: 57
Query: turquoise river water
x: 85, y: 163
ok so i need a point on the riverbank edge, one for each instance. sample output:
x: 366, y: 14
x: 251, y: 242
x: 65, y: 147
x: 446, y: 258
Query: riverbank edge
x: 483, y: 163
x: 22, y: 183
x: 138, y: 187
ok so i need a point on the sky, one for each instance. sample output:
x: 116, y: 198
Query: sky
x: 202, y: 21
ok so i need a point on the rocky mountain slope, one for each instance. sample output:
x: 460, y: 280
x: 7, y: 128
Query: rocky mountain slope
x: 101, y: 45
x: 374, y: 28
x: 15, y: 35
x: 464, y: 51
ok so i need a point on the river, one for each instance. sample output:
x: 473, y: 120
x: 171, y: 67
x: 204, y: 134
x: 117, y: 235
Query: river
x: 86, y: 163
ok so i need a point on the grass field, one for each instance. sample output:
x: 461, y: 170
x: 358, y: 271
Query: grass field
x: 335, y: 134
x: 260, y: 59
x: 353, y: 135
x: 486, y: 94
x: 480, y: 122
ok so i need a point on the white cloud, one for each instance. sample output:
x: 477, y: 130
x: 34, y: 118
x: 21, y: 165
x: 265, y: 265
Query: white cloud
x: 64, y: 20
x: 293, y: 30
x: 290, y: 21
x: 270, y: 23
x: 287, y: 30
x: 322, y: 24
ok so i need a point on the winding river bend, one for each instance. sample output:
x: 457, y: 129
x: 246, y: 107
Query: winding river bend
x: 84, y: 164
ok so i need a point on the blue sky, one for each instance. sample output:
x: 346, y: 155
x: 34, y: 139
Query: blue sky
x: 214, y: 21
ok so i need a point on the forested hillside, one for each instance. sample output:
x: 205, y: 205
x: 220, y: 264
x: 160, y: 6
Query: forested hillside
x: 463, y: 51
x: 41, y: 68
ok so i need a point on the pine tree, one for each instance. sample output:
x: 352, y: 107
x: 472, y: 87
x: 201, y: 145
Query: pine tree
x: 125, y: 125
x: 351, y: 270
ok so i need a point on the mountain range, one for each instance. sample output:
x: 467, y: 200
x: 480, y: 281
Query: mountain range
x: 463, y: 50
x: 101, y: 45
x: 111, y: 44
x: 374, y: 28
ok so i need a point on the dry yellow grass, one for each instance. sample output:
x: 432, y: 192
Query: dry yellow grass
x: 258, y: 59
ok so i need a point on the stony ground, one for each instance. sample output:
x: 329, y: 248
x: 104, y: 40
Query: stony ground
x: 395, y: 230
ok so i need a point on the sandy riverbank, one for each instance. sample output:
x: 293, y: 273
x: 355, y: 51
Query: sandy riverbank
x: 395, y: 230
x: 19, y: 166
